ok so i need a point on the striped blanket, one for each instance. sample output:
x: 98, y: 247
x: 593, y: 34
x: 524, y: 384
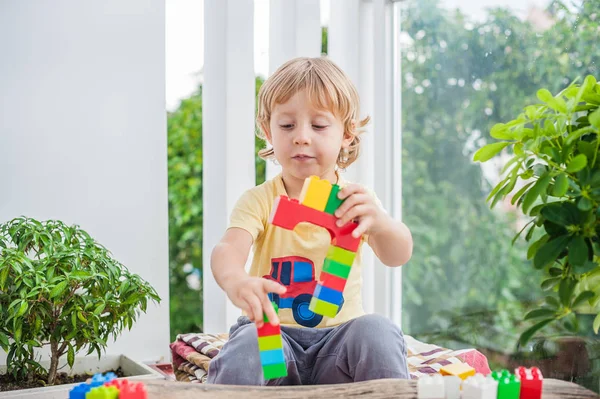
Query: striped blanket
x: 192, y: 353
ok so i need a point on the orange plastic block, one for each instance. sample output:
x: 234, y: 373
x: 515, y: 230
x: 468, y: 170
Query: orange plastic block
x: 461, y: 370
x: 315, y: 193
x: 287, y: 213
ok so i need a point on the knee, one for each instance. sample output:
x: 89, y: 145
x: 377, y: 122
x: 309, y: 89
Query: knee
x: 238, y: 361
x: 375, y: 331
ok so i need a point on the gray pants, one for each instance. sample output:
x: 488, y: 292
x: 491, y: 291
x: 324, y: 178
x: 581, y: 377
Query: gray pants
x: 366, y: 348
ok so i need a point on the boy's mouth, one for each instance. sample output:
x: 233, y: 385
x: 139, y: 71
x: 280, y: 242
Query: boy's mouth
x: 302, y: 157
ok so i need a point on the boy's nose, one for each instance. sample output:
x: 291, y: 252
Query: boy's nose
x: 302, y: 136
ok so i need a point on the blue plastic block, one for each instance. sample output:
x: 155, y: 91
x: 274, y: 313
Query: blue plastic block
x: 328, y: 294
x: 274, y: 356
x: 79, y: 391
x: 100, y: 379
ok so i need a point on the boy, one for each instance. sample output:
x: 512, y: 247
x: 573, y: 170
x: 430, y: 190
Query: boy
x: 309, y: 114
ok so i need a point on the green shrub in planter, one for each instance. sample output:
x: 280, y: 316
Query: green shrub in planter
x: 554, y: 171
x: 59, y: 287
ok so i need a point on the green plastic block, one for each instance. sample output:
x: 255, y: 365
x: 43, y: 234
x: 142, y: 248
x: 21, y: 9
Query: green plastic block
x: 333, y: 203
x: 274, y: 371
x: 509, y: 385
x: 337, y: 269
x: 323, y: 308
x: 265, y: 318
x: 270, y: 342
x: 103, y: 392
x: 341, y: 255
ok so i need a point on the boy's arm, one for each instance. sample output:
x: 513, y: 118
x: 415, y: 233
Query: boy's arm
x: 228, y: 258
x: 392, y: 242
x: 248, y: 293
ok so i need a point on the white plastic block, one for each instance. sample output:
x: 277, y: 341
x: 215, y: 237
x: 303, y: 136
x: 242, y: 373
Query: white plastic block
x: 452, y: 386
x: 480, y: 387
x: 431, y: 387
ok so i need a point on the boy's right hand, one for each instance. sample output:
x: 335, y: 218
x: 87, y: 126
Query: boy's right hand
x: 250, y: 295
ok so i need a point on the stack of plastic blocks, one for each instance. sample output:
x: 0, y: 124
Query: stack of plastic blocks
x: 270, y: 347
x: 106, y: 386
x: 317, y: 204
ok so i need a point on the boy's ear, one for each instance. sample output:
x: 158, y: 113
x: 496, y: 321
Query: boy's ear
x: 348, y: 137
x: 267, y: 131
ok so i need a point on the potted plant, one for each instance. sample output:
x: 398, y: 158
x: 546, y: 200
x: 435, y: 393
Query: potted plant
x: 60, y: 288
x: 554, y: 167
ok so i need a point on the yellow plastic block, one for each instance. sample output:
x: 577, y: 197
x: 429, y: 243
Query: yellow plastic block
x: 315, y: 193
x: 461, y: 370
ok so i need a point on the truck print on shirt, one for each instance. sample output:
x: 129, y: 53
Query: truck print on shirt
x: 297, y: 274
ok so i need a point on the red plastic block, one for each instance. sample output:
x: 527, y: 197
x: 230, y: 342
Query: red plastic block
x: 129, y: 390
x: 531, y: 382
x: 287, y: 213
x: 333, y: 282
x: 268, y: 329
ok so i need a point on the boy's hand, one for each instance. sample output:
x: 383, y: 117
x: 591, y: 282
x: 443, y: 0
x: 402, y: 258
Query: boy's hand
x: 250, y: 295
x: 360, y: 205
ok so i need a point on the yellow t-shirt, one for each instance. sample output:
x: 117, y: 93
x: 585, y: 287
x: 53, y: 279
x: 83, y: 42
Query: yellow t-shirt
x: 293, y: 258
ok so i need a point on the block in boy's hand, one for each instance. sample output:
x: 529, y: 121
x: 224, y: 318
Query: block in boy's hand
x: 270, y: 348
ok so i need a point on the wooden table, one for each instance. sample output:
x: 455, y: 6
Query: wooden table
x: 387, y: 388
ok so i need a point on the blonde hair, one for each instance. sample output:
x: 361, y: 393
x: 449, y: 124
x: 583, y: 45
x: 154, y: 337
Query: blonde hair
x: 327, y: 86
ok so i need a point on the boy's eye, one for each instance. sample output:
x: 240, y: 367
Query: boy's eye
x: 287, y: 126
x: 319, y: 126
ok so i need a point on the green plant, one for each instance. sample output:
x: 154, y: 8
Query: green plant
x: 555, y: 156
x: 59, y: 287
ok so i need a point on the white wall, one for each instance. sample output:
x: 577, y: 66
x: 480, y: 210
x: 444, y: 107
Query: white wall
x: 83, y: 134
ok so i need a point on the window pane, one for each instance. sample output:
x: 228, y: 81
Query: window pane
x: 463, y: 71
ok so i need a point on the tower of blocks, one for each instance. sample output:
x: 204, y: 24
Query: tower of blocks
x: 107, y: 386
x: 317, y: 204
x: 270, y: 347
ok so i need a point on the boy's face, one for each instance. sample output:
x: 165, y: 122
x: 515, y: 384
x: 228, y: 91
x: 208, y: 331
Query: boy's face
x: 306, y: 141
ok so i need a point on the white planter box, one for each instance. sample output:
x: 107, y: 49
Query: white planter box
x: 85, y: 365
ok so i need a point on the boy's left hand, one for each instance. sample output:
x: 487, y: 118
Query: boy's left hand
x: 361, y: 206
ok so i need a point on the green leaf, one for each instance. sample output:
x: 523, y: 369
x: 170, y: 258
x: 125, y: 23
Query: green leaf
x: 71, y: 356
x: 561, y: 185
x: 501, y: 132
x: 537, y: 313
x: 487, y: 152
x: 538, y: 188
x: 3, y: 341
x: 519, y: 193
x: 577, y: 163
x: 585, y: 204
x: 99, y: 309
x: 60, y: 287
x: 552, y: 302
x: 548, y: 252
x: 565, y: 290
x: 550, y: 282
x: 578, y: 251
x: 23, y: 308
x: 526, y: 336
x: 596, y: 325
x: 594, y: 118
x: 582, y: 297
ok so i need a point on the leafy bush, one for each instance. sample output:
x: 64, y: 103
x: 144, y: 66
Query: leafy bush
x: 555, y: 156
x: 59, y: 287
